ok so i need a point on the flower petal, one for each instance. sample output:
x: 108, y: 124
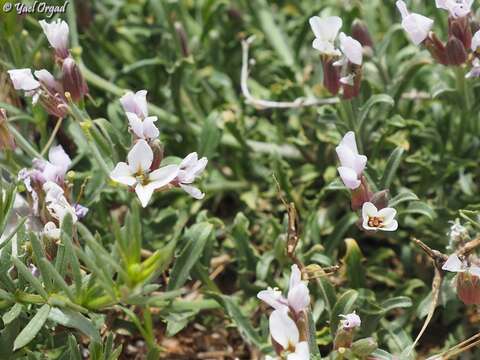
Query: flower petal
x: 325, y: 28
x: 136, y: 124
x: 22, y: 79
x: 299, y: 297
x: 453, y: 264
x: 388, y: 214
x: 163, y: 175
x: 59, y: 157
x: 140, y: 157
x: 301, y: 352
x: 144, y: 193
x: 122, y: 174
x: 283, y: 329
x: 295, y: 276
x: 392, y: 226
x: 352, y: 49
x: 273, y: 298
x: 193, y: 191
x: 150, y: 131
x: 349, y: 177
x: 476, y: 41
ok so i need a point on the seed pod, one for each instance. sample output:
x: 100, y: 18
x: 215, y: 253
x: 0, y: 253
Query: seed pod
x: 361, y: 34
x: 73, y: 81
x: 331, y: 75
x: 468, y: 288
x: 456, y: 53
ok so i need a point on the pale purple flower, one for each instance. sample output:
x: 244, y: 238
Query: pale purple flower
x: 456, y: 8
x: 57, y: 205
x: 352, y: 163
x: 80, y: 210
x: 454, y: 264
x: 374, y: 219
x: 135, y: 103
x: 55, y: 168
x: 350, y: 321
x: 298, y: 297
x: 143, y: 129
x: 51, y: 231
x: 23, y: 79
x: 351, y: 48
x: 136, y: 173
x: 25, y: 175
x: 34, y: 270
x: 57, y: 35
x: 189, y: 169
x: 475, y: 70
x: 326, y: 31
x: 285, y: 333
x: 416, y: 26
x: 47, y: 80
x: 476, y: 41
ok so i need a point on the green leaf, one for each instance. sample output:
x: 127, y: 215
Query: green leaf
x: 197, y: 237
x: 420, y: 208
x: 403, y: 196
x: 365, y: 109
x: 244, y: 326
x: 343, y: 306
x: 33, y: 327
x: 75, y: 320
x: 12, y: 314
x: 209, y: 137
x: 355, y: 270
x: 241, y: 236
x: 27, y: 275
x: 391, y: 167
x: 341, y: 228
x: 396, y: 302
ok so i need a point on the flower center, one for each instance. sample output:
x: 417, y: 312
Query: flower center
x: 141, y: 178
x: 375, y: 221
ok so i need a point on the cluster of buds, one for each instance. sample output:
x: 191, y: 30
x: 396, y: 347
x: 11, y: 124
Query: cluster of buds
x: 376, y: 215
x: 48, y: 191
x: 143, y: 171
x: 461, y: 47
x: 467, y: 279
x: 51, y: 93
x: 288, y: 321
x: 6, y: 139
x: 342, y: 68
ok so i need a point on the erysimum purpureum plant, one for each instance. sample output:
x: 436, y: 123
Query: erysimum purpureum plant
x: 252, y: 179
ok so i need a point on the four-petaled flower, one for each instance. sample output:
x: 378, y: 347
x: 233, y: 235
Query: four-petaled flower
x: 352, y: 163
x: 57, y: 35
x: 351, y: 48
x: 285, y: 333
x: 55, y: 168
x: 326, y: 31
x: 350, y: 321
x: 456, y: 8
x: 57, y: 205
x: 136, y: 173
x: 417, y: 26
x: 454, y: 264
x: 298, y: 297
x: 189, y: 169
x: 374, y: 219
x: 136, y: 109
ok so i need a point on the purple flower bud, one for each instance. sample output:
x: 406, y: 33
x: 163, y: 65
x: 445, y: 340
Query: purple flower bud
x: 456, y: 53
x: 73, y: 81
x: 460, y: 28
x: 361, y: 34
x: 331, y: 75
x: 80, y: 211
x: 436, y: 48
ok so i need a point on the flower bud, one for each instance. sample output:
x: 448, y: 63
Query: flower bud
x: 460, y: 28
x: 361, y: 195
x: 73, y: 81
x: 436, y: 48
x: 6, y: 139
x: 157, y: 149
x: 468, y: 288
x: 456, y: 53
x: 380, y: 199
x: 331, y: 75
x: 364, y: 347
x: 361, y: 34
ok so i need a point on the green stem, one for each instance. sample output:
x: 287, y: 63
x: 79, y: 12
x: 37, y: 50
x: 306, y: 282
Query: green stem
x: 465, y: 92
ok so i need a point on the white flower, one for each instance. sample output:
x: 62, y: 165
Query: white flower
x: 456, y: 8
x: 51, y: 231
x: 351, y: 321
x: 144, y: 129
x: 189, y: 169
x: 351, y: 48
x: 454, y: 264
x: 285, y: 332
x: 326, y: 31
x: 476, y: 41
x: 135, y: 103
x: 57, y: 35
x: 352, y: 163
x: 475, y: 71
x: 417, y: 26
x: 374, y: 219
x: 57, y: 165
x: 57, y: 204
x: 23, y: 79
x: 137, y: 172
x: 298, y: 297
